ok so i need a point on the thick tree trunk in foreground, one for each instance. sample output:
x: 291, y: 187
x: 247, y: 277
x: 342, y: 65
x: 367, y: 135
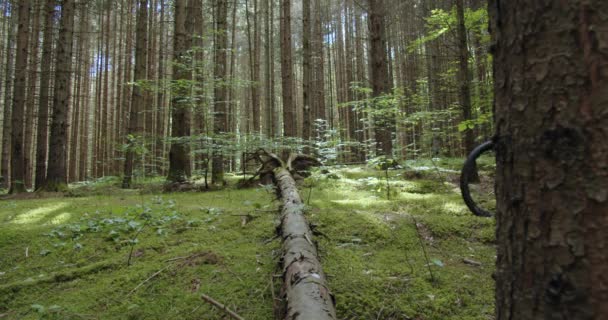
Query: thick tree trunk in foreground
x: 551, y: 84
x: 305, y: 287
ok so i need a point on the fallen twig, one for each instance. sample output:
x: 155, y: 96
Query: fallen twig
x: 149, y: 278
x: 471, y: 262
x: 222, y: 307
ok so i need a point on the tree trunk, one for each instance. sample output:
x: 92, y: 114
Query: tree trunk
x: 31, y: 94
x: 137, y: 98
x: 17, y: 139
x: 221, y: 90
x: 7, y: 112
x: 304, y: 284
x: 43, y: 101
x: 551, y: 84
x: 179, y: 155
x: 289, y: 109
x: 383, y: 124
x: 464, y: 80
x: 307, y: 89
x: 56, y: 177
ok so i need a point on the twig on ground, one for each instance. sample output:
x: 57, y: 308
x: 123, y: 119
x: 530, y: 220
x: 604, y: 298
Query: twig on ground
x: 222, y: 307
x: 471, y: 262
x: 426, y: 257
x: 149, y: 278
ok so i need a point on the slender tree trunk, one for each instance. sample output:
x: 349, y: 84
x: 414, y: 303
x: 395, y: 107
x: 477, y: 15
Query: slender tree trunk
x: 31, y: 95
x: 289, y: 108
x: 379, y: 69
x: 17, y: 139
x: 220, y: 89
x: 56, y: 178
x: 159, y: 146
x: 551, y: 177
x: 7, y: 113
x: 464, y: 80
x: 137, y: 99
x: 307, y: 90
x: 319, y: 63
x: 179, y: 155
x: 44, y: 99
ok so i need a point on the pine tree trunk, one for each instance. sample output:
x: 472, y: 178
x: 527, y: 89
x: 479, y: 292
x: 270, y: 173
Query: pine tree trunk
x: 220, y: 107
x: 56, y: 177
x: 289, y: 109
x: 551, y: 84
x: 137, y: 98
x: 30, y: 103
x: 7, y: 112
x: 379, y: 71
x: 464, y: 80
x: 45, y: 98
x: 17, y: 139
x: 307, y: 92
x: 179, y: 155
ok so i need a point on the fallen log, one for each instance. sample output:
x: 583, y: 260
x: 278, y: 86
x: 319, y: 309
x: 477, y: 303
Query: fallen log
x: 304, y: 284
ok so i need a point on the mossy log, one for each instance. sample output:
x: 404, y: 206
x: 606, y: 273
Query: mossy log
x: 304, y: 283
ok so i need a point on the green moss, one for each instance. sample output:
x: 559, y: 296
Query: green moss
x: 77, y: 251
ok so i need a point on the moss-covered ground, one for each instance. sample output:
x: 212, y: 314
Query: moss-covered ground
x: 104, y: 253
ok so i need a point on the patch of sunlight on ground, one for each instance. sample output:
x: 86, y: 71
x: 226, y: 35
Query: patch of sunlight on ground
x: 415, y: 196
x: 35, y: 215
x: 454, y: 207
x: 61, y: 218
x: 363, y: 202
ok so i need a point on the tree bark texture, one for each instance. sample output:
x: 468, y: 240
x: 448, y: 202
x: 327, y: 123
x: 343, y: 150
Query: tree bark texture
x: 7, y: 112
x: 42, y: 130
x: 179, y: 154
x: 18, y: 112
x: 464, y: 80
x: 551, y: 84
x: 305, y: 286
x: 289, y: 108
x: 220, y: 120
x: 137, y: 97
x: 379, y: 71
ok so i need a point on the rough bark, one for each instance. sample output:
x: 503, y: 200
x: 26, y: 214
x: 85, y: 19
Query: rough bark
x: 379, y: 70
x: 56, y: 177
x: 307, y: 89
x: 289, y: 109
x: 304, y: 284
x: 551, y: 84
x: 179, y: 154
x: 17, y: 138
x: 44, y: 99
x: 464, y: 80
x: 30, y: 102
x: 220, y: 119
x: 7, y: 112
x: 137, y: 98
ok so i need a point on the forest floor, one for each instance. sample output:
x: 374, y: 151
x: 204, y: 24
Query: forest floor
x: 105, y: 253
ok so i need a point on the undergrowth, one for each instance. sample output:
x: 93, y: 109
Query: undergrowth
x: 103, y: 253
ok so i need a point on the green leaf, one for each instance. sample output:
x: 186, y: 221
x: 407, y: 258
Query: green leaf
x: 38, y: 308
x: 438, y: 263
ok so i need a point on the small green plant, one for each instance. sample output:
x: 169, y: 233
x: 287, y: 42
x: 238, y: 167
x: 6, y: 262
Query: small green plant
x: 384, y: 163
